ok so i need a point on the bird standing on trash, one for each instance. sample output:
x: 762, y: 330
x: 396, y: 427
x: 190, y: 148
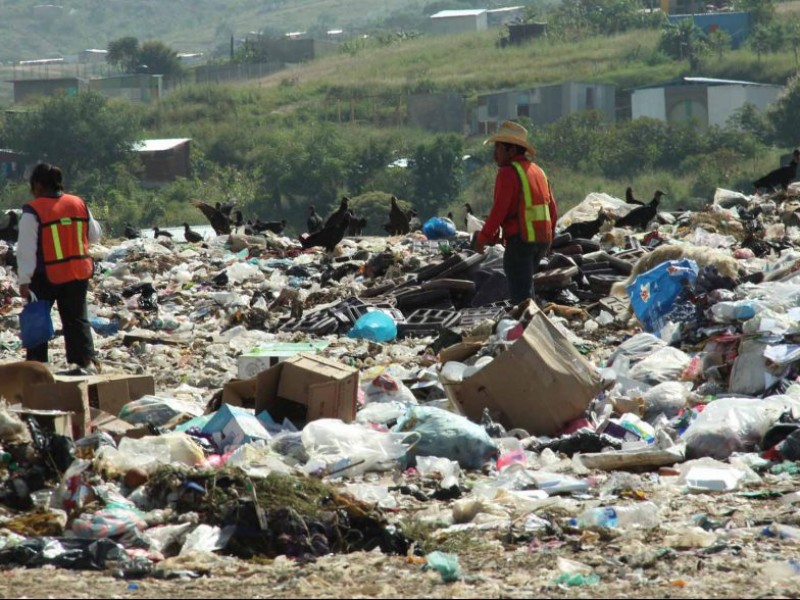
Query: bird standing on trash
x: 356, y: 226
x: 398, y: 220
x: 131, y: 232
x: 314, y: 222
x: 191, y: 236
x: 10, y: 233
x: 338, y: 216
x: 329, y: 235
x: 216, y: 216
x: 640, y: 216
x: 157, y: 233
x: 523, y: 206
x: 629, y: 199
x: 780, y: 178
x: 586, y: 230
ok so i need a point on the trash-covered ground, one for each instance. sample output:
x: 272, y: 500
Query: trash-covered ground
x: 378, y: 421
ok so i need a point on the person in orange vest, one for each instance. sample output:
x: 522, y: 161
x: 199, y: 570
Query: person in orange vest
x: 53, y: 261
x: 523, y: 206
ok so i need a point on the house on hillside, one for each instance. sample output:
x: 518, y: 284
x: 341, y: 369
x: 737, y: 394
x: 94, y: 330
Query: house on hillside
x: 141, y: 87
x: 737, y: 24
x: 92, y: 56
x: 439, y: 113
x: 292, y: 48
x: 497, y: 17
x: 459, y: 21
x: 700, y: 99
x: 164, y: 160
x: 28, y: 89
x: 543, y: 104
x: 519, y: 33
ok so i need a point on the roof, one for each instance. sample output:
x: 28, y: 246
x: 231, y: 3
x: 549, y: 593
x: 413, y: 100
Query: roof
x: 504, y: 9
x: 445, y: 14
x: 159, y: 145
x: 708, y: 81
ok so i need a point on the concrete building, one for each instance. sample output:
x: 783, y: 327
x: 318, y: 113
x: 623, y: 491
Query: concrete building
x: 164, y: 160
x: 543, y: 105
x: 737, y: 24
x: 459, y: 21
x: 438, y: 112
x: 700, y: 99
x: 136, y: 88
x: 28, y: 89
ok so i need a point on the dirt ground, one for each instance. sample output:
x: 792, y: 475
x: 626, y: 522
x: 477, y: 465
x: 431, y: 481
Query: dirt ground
x: 506, y: 562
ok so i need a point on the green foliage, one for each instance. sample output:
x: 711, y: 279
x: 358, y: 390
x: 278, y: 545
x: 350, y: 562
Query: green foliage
x: 761, y: 11
x: 78, y: 133
x: 375, y: 207
x: 157, y: 58
x: 436, y: 169
x: 783, y: 114
x: 123, y: 53
x: 719, y: 42
x: 684, y: 41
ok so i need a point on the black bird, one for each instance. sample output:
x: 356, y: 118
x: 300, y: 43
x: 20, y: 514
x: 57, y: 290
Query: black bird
x: 587, y: 229
x: 414, y: 222
x: 629, y: 199
x: 468, y: 209
x: 450, y: 216
x: 225, y: 209
x: 273, y: 226
x: 131, y: 232
x: 337, y: 216
x: 398, y: 220
x: 314, y: 222
x: 10, y: 258
x: 157, y: 233
x: 328, y: 236
x: 779, y: 179
x: 10, y: 233
x: 640, y: 216
x: 356, y: 226
x: 191, y: 236
x: 239, y: 223
x: 220, y: 222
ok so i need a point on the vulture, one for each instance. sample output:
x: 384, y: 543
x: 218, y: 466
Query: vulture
x: 398, y: 220
x: 191, y: 236
x: 328, y: 236
x: 629, y: 199
x: 640, y: 216
x: 273, y: 226
x: 779, y: 179
x: 131, y: 232
x: 414, y: 222
x: 157, y: 233
x: 339, y: 215
x: 220, y: 222
x: 587, y: 229
x: 314, y: 222
x: 10, y: 233
x: 356, y: 226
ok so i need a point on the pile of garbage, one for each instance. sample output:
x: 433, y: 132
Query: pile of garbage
x: 259, y: 400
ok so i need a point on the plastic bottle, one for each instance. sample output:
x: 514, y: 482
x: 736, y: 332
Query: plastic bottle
x: 643, y: 515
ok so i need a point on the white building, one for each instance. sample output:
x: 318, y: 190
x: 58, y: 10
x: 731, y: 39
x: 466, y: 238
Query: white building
x: 700, y: 99
x: 459, y: 21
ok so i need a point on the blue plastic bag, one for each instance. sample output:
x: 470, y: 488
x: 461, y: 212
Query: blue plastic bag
x: 35, y: 324
x: 661, y: 294
x: 375, y: 326
x: 439, y: 228
x: 447, y: 435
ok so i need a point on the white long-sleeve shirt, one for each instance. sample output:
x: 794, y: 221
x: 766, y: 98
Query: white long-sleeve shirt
x: 28, y: 244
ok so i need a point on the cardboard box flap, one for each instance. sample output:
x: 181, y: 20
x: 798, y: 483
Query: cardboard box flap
x: 539, y: 384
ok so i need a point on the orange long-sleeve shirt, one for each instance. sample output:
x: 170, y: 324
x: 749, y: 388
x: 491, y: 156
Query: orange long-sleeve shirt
x: 506, y: 205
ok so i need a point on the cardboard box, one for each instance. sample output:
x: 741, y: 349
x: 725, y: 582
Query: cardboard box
x: 53, y: 421
x: 268, y: 355
x: 306, y: 387
x: 539, y: 384
x: 78, y: 395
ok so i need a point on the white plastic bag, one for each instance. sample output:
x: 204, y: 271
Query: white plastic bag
x: 637, y: 348
x: 666, y: 398
x: 151, y: 451
x: 386, y: 388
x: 663, y: 365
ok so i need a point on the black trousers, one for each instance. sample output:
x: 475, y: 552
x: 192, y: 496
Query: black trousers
x: 71, y: 300
x: 520, y: 262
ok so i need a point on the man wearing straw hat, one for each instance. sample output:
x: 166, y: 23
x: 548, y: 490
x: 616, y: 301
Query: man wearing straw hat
x: 523, y: 206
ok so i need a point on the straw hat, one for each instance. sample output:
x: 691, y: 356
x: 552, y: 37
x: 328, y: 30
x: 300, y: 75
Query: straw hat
x: 512, y: 133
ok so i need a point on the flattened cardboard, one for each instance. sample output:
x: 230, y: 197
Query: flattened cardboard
x: 309, y: 384
x: 240, y: 393
x: 539, y: 384
x: 54, y: 421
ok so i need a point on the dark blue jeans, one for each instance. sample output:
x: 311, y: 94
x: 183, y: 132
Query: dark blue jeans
x: 520, y: 262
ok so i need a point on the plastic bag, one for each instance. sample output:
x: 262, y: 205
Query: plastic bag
x: 437, y: 228
x: 385, y: 388
x: 351, y: 447
x: 733, y: 425
x: 661, y: 294
x: 151, y: 451
x: 637, y: 348
x: 447, y: 469
x: 666, y: 398
x: 35, y: 324
x: 156, y: 410
x: 374, y: 326
x: 447, y: 435
x: 664, y: 365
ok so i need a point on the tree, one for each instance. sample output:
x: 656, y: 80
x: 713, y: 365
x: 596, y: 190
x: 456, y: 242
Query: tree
x: 719, y: 42
x: 761, y: 11
x: 783, y: 113
x: 684, y: 41
x: 80, y: 133
x: 157, y: 58
x: 793, y: 39
x: 760, y: 41
x: 436, y: 169
x: 124, y: 53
